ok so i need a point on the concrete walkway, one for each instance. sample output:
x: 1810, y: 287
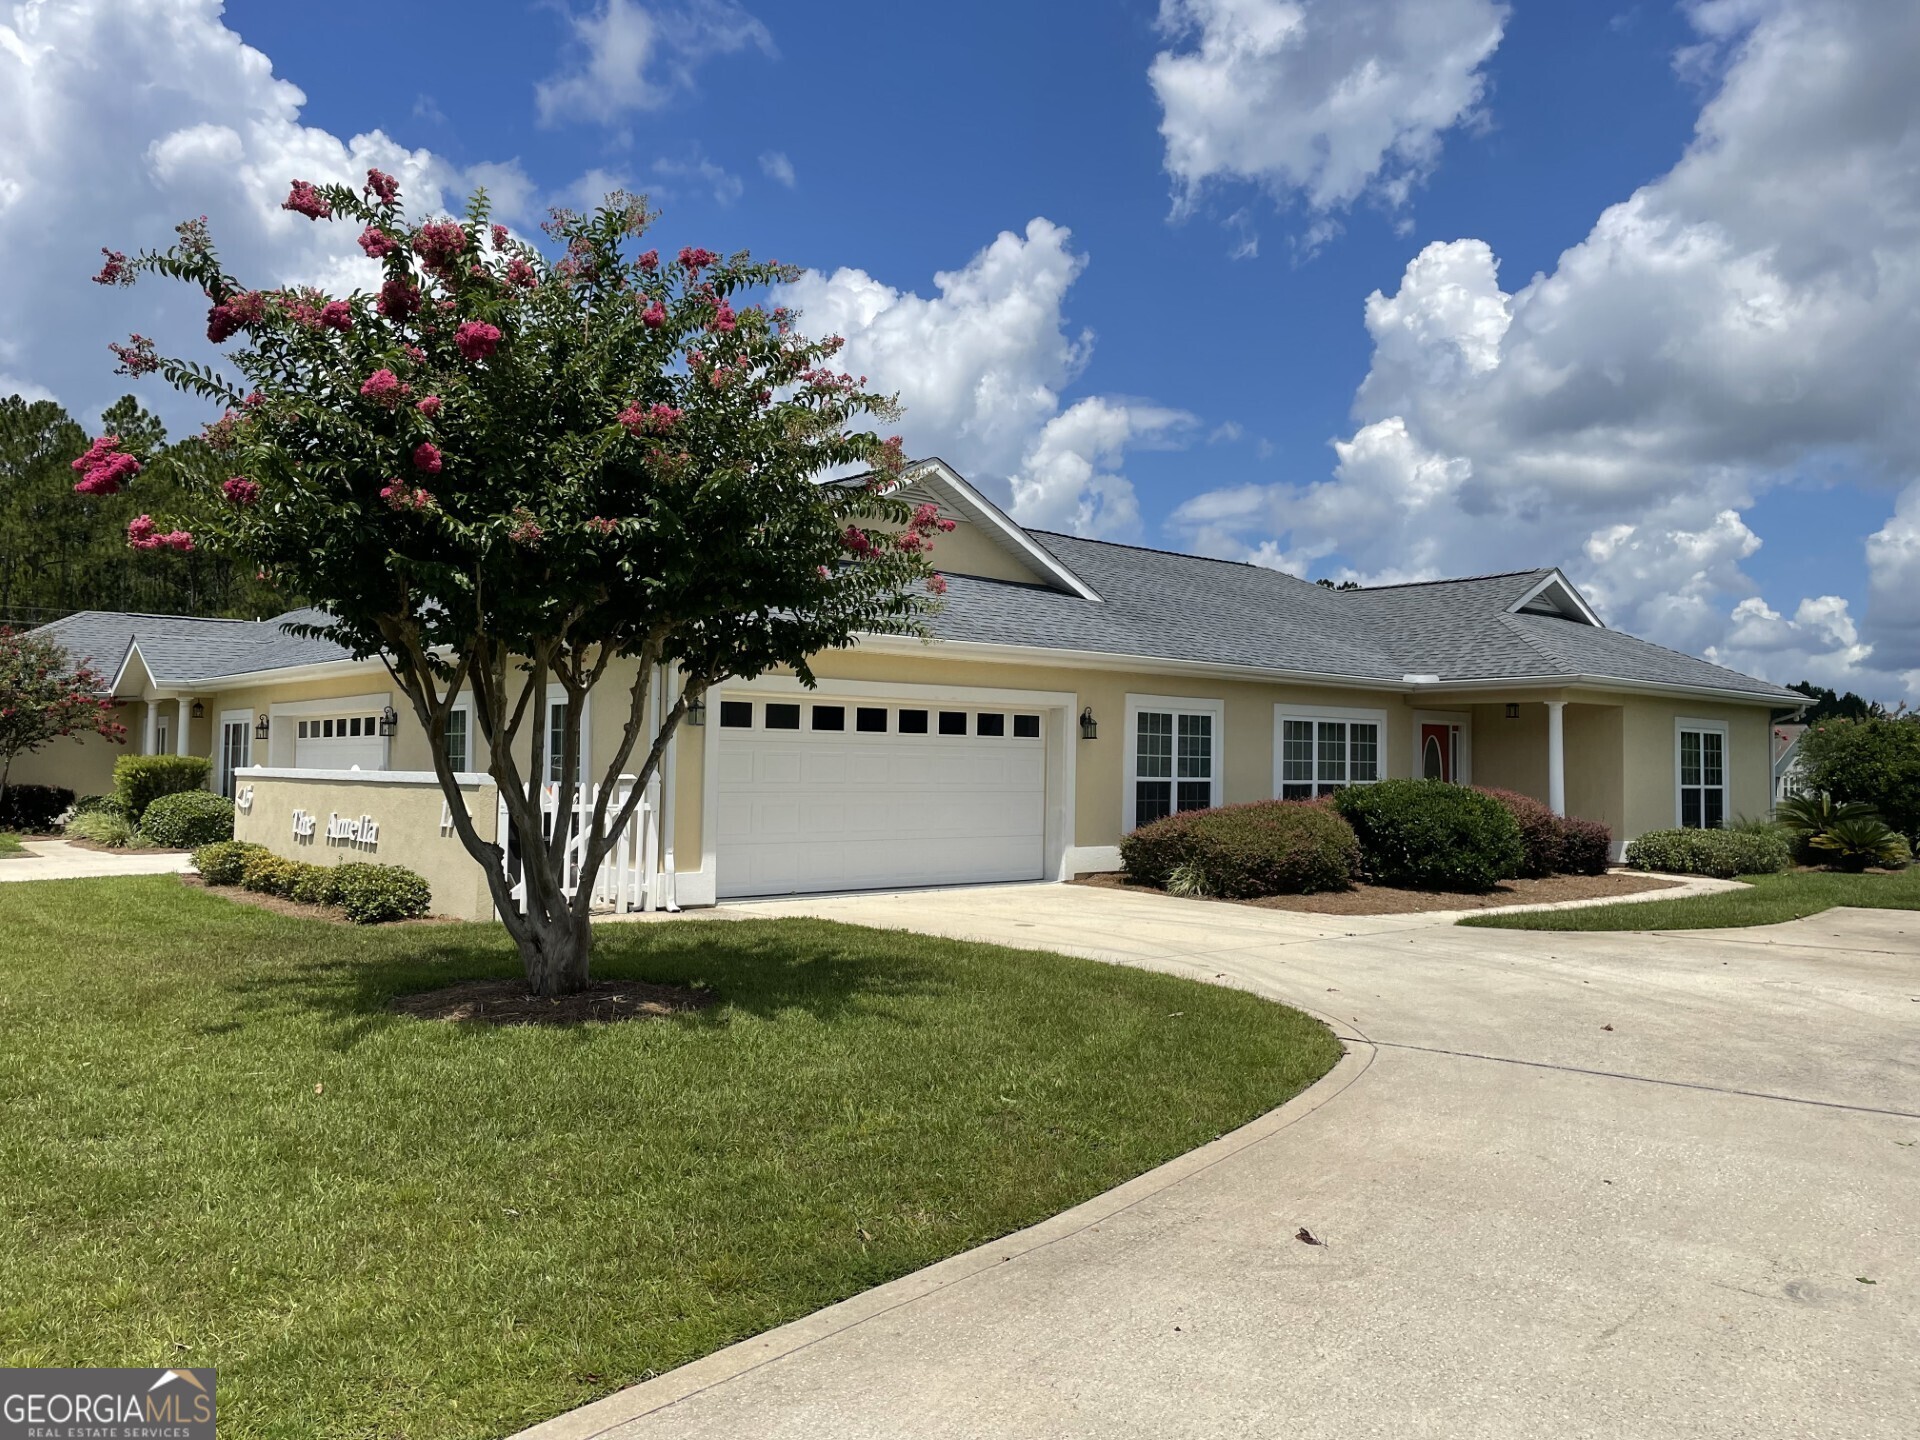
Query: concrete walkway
x: 1569, y: 1185
x: 59, y: 860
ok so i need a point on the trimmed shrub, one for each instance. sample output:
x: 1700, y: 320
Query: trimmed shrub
x: 33, y: 807
x: 1241, y: 852
x: 93, y: 804
x: 1433, y: 835
x: 316, y: 885
x: 1539, y: 830
x: 1722, y: 854
x: 1586, y: 847
x: 139, y: 780
x: 266, y: 873
x: 222, y: 862
x: 372, y: 894
x: 103, y: 827
x: 188, y: 818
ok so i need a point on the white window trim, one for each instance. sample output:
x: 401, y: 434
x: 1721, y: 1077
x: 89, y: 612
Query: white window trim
x: 463, y: 705
x: 244, y: 719
x: 558, y: 694
x: 1177, y: 705
x: 1683, y: 723
x: 1283, y: 712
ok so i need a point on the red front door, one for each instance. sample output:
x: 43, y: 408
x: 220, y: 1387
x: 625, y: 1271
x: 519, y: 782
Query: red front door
x: 1437, y: 745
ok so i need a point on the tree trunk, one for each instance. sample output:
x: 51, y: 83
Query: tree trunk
x: 555, y: 952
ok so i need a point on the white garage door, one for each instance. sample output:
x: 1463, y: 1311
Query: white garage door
x: 833, y: 794
x: 339, y: 742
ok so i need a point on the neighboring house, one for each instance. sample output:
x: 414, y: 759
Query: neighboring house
x: 1072, y: 690
x: 1788, y: 780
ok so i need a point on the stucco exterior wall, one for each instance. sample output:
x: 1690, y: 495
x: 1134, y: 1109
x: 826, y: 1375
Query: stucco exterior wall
x: 409, y: 812
x: 83, y: 764
x: 1650, y: 760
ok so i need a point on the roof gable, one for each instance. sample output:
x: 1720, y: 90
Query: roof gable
x: 989, y: 526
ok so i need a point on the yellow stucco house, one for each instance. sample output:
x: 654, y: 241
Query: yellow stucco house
x: 1072, y: 689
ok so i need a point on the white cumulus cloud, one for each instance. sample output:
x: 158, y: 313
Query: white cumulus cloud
x: 1324, y: 100
x: 629, y: 56
x: 194, y: 123
x: 980, y: 365
x: 1752, y: 313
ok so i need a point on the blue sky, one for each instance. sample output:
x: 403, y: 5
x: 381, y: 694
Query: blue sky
x: 1638, y: 302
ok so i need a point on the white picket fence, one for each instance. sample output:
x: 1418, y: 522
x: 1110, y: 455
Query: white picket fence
x: 625, y: 878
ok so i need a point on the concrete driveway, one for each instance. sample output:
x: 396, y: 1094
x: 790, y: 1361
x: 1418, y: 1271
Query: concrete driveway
x: 59, y: 860
x: 1568, y: 1185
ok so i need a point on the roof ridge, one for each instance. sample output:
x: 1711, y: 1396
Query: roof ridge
x: 1452, y: 579
x: 1638, y: 640
x: 1175, y: 554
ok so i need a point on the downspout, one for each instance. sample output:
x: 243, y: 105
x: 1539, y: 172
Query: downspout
x: 669, y: 886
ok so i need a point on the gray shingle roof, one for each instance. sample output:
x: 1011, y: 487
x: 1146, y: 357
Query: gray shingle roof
x: 184, y: 649
x: 1154, y: 604
x: 1183, y: 607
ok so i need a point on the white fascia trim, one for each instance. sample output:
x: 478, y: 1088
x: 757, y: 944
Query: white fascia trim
x: 463, y: 778
x: 373, y: 699
x: 1578, y: 600
x: 1210, y: 669
x: 133, y: 649
x: 288, y: 674
x: 1003, y: 525
x: 828, y: 689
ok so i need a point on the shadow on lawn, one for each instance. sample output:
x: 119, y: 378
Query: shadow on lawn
x: 759, y: 968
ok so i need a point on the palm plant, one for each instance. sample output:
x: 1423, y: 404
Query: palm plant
x: 1856, y: 841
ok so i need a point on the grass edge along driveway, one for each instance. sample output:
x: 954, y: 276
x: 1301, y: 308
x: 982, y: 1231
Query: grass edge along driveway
x: 1768, y: 900
x: 218, y: 1146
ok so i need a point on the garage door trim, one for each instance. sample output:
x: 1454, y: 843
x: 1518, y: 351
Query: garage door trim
x: 284, y: 718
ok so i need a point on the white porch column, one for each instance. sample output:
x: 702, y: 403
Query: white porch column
x: 180, y: 727
x: 1556, y: 757
x: 150, y: 737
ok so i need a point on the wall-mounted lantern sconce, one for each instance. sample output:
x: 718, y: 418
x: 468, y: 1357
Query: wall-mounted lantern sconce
x: 199, y: 711
x: 389, y: 722
x: 696, y: 711
x: 260, y: 728
x: 1513, y: 711
x: 1089, y: 727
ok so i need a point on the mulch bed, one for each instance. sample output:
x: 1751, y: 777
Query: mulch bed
x: 506, y: 1002
x: 1385, y: 900
x: 280, y: 905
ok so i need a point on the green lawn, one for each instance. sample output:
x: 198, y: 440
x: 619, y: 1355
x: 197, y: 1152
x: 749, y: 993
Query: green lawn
x: 219, y: 1147
x: 10, y: 845
x: 1772, y: 899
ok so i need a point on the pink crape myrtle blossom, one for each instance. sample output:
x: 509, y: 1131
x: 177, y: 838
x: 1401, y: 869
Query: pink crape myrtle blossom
x: 114, y: 271
x: 520, y: 273
x: 694, y: 259
x: 654, y: 420
x: 649, y: 261
x: 526, y: 530
x: 240, y: 491
x: 376, y: 242
x: 601, y: 525
x: 654, y: 316
x: 384, y: 187
x: 501, y: 236
x: 136, y: 356
x: 239, y: 311
x: 437, y: 242
x: 429, y: 405
x: 383, y: 387
x: 401, y: 496
x: 477, y: 339
x: 936, y: 584
x: 143, y: 534
x: 337, y: 315
x: 304, y: 199
x: 398, y: 299
x: 426, y: 456
x: 105, y: 469
x: 724, y: 320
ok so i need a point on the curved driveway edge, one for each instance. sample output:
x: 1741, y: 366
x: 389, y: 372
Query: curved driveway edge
x: 1586, y: 1184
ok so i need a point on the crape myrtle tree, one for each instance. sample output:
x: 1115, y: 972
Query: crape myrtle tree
x: 45, y: 697
x: 499, y: 473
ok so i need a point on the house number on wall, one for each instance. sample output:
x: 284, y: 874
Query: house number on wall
x: 243, y: 799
